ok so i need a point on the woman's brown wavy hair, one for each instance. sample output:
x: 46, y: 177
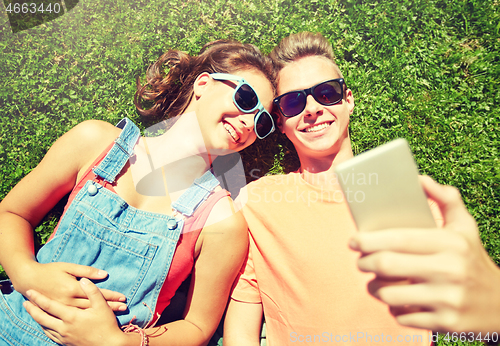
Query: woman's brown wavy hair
x: 171, y: 92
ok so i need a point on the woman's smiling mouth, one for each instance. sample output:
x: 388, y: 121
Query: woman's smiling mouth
x: 232, y: 132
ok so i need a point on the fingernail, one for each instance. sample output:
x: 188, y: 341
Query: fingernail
x: 84, y: 281
x: 122, y: 299
x: 28, y: 293
x: 122, y: 308
x: 25, y: 304
x: 353, y: 244
x: 102, y: 273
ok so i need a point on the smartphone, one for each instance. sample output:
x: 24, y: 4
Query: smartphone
x: 382, y: 189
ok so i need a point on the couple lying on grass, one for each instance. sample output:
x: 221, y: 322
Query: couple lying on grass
x: 144, y: 213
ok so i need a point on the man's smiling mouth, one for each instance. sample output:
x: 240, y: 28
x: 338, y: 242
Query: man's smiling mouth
x: 316, y: 128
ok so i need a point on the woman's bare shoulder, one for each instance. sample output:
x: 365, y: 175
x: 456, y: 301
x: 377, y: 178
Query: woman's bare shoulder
x: 95, y: 132
x: 90, y: 138
x: 226, y: 222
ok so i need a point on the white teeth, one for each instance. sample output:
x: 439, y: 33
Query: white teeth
x: 317, y: 127
x: 231, y: 131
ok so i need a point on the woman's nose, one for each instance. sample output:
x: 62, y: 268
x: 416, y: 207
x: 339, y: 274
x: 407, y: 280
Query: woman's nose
x: 247, y: 119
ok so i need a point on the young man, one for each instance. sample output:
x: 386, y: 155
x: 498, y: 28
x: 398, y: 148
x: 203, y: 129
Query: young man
x: 301, y: 272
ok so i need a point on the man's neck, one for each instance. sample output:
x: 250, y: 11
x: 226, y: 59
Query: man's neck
x: 320, y: 170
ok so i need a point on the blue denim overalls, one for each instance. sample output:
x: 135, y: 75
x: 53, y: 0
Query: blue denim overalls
x: 101, y: 230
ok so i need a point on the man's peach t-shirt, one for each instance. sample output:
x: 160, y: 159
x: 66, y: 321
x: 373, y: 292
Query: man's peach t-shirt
x: 303, y: 272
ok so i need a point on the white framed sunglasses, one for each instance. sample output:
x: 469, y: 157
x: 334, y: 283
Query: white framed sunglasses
x: 246, y: 100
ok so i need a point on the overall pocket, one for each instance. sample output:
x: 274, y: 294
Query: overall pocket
x: 100, y: 243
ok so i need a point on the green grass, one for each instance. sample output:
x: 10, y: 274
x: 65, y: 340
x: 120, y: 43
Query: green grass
x: 425, y: 70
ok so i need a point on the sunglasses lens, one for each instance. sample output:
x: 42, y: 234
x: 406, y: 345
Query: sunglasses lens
x: 293, y: 103
x: 245, y: 97
x: 328, y: 93
x: 264, y: 124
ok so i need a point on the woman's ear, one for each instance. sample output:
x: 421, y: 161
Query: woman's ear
x: 280, y: 123
x: 200, y: 83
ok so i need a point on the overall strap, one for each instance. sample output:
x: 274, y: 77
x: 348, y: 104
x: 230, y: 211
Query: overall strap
x: 122, y: 150
x: 196, y: 194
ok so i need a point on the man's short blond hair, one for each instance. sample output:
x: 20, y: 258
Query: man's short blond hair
x: 301, y: 45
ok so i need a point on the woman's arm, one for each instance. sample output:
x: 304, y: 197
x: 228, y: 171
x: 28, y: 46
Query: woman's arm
x: 224, y: 245
x: 32, y: 198
x: 223, y: 249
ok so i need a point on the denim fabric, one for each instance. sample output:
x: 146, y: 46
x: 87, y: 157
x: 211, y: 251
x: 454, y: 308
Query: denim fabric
x: 201, y: 188
x: 100, y: 229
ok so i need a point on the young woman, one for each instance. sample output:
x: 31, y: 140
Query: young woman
x: 148, y: 243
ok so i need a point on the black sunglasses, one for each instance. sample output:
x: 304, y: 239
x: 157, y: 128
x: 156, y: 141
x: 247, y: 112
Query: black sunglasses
x: 247, y: 101
x: 326, y: 93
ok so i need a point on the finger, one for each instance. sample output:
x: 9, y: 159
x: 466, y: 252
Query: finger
x: 113, y: 296
x: 438, y: 322
x: 376, y: 284
x: 93, y: 293
x: 386, y: 264
x: 116, y: 306
x: 417, y: 241
x: 449, y: 201
x: 41, y: 317
x: 427, y: 296
x: 49, y: 306
x: 84, y: 303
x: 81, y: 303
x: 53, y: 335
x: 440, y: 267
x: 82, y: 271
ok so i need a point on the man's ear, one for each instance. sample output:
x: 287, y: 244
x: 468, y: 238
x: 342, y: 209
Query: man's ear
x: 200, y: 84
x: 349, y: 100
